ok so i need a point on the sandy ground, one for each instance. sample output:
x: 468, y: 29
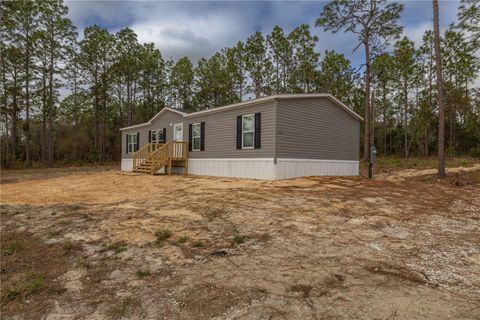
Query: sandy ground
x: 132, y: 246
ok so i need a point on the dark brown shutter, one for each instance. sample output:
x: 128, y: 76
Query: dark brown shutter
x: 164, y: 135
x: 149, y: 136
x: 190, y: 137
x: 239, y: 132
x: 202, y: 136
x: 127, y: 142
x: 138, y: 141
x: 258, y: 129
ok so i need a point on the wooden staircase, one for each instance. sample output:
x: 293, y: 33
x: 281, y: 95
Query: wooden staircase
x: 154, y: 156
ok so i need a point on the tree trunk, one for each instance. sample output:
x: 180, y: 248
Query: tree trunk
x: 441, y: 112
x: 75, y: 106
x: 44, y: 116
x: 405, y: 118
x: 384, y: 91
x: 129, y: 105
x: 366, y: 138
x: 27, y: 104
x: 13, y: 155
x: 96, y: 120
x: 50, y: 116
x: 50, y: 98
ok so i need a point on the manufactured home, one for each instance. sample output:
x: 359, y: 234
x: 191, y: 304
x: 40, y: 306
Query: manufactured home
x: 275, y: 137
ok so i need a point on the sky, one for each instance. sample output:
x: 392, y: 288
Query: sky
x: 200, y: 28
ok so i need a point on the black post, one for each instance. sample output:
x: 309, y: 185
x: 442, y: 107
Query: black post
x: 372, y: 160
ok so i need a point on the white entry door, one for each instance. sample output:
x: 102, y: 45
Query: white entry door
x: 178, y: 132
x: 177, y: 136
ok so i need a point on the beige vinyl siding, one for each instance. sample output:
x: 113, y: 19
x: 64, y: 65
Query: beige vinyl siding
x: 163, y: 121
x: 316, y: 128
x: 221, y: 133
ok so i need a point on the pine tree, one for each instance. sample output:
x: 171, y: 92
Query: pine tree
x: 375, y: 23
x: 305, y: 57
x: 469, y: 16
x: 95, y: 59
x: 22, y: 28
x: 181, y: 83
x: 383, y: 71
x: 405, y: 65
x: 58, y: 34
x: 441, y: 103
x: 281, y: 54
x: 257, y: 64
x: 336, y: 76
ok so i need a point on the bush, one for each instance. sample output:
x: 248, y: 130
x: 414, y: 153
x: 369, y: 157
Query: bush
x: 475, y: 152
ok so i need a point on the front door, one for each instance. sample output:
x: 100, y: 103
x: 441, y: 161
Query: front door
x: 178, y: 132
x: 177, y: 136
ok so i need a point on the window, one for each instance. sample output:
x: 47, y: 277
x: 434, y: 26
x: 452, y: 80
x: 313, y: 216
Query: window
x: 156, y: 136
x: 196, y: 136
x: 132, y: 142
x: 160, y: 135
x: 248, y: 131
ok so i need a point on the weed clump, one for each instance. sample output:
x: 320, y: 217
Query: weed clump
x: 182, y: 239
x: 239, y: 239
x: 12, y: 248
x: 197, y: 244
x: 143, y: 273
x: 117, y: 247
x: 162, y: 235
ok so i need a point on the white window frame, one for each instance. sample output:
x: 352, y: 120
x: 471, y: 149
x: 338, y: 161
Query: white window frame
x: 152, y: 132
x: 160, y: 131
x: 132, y: 144
x: 157, y: 135
x: 253, y: 131
x: 199, y: 137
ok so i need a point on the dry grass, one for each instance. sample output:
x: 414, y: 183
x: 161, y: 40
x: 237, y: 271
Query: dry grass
x: 402, y: 246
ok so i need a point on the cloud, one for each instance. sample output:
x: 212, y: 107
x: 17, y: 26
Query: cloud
x: 197, y: 36
x: 201, y: 28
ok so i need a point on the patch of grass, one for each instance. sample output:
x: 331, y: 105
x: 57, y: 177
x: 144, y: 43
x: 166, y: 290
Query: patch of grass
x: 34, y: 283
x: 54, y: 233
x: 64, y: 222
x: 70, y: 247
x: 197, y: 244
x: 162, y: 235
x: 143, y: 273
x: 12, y: 248
x: 182, y: 239
x: 239, y: 239
x: 117, y: 247
x: 390, y: 163
x: 9, y: 295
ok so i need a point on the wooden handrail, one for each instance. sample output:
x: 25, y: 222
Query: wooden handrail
x: 160, y: 155
x: 143, y: 153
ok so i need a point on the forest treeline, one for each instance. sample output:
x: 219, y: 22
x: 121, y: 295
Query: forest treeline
x: 64, y: 99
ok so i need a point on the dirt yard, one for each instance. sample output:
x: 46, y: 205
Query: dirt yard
x: 103, y: 244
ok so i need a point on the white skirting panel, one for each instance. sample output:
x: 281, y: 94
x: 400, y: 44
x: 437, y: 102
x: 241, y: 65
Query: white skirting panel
x: 127, y: 165
x: 238, y: 168
x: 264, y: 168
x: 291, y: 168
